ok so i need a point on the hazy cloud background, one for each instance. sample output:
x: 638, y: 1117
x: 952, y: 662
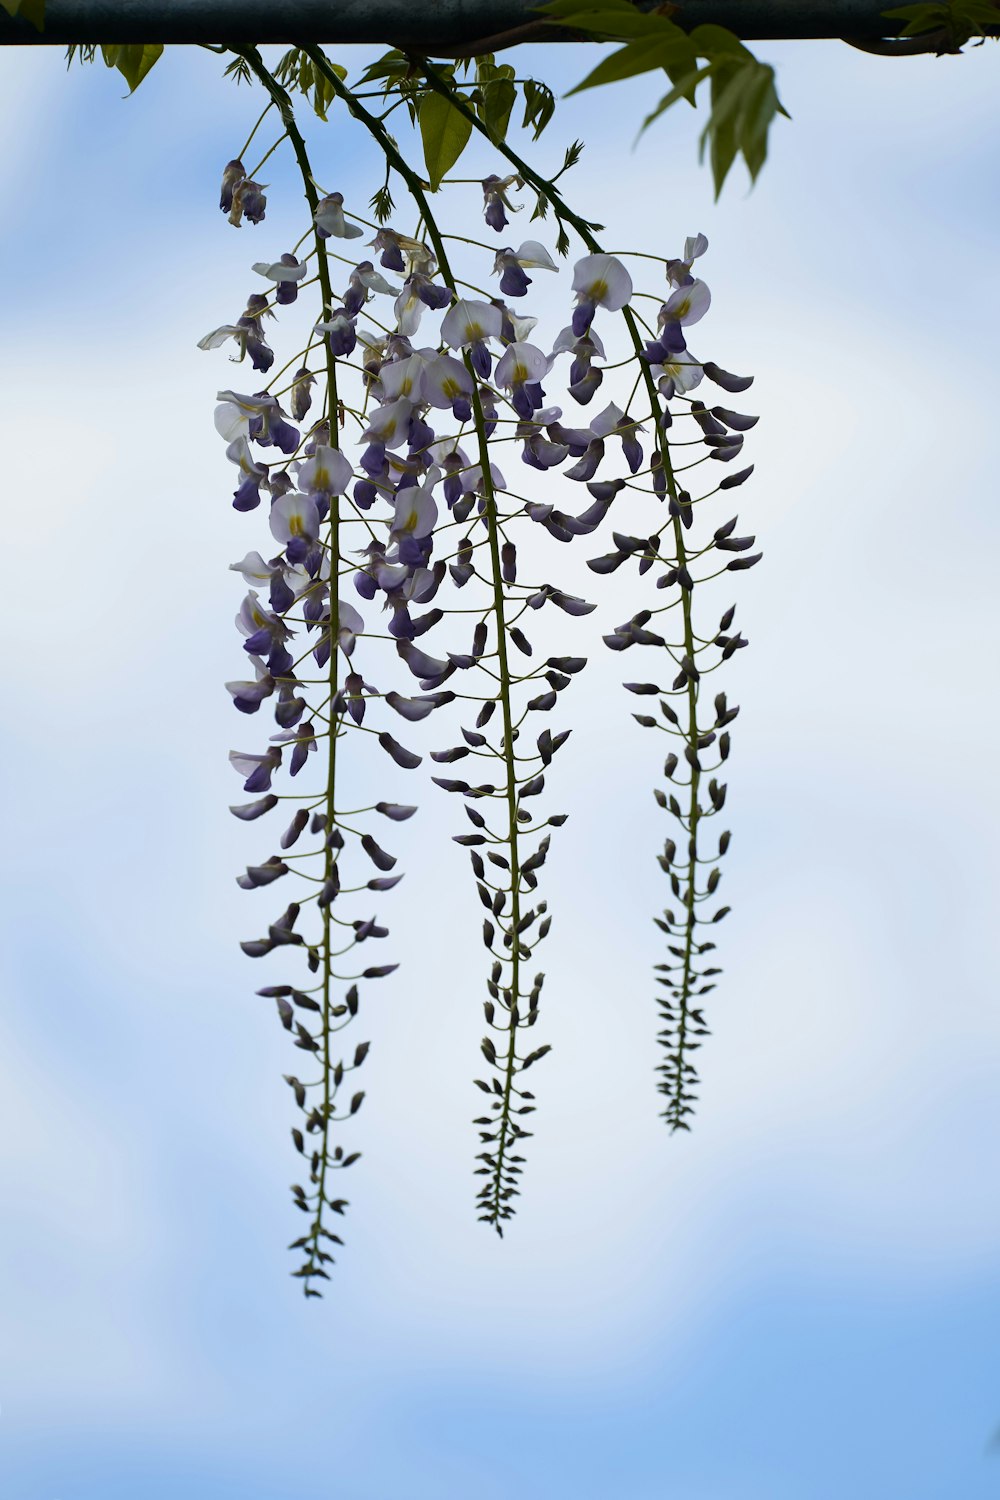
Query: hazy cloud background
x: 800, y: 1300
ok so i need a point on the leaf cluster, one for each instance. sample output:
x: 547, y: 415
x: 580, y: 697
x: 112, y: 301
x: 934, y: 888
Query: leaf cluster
x: 957, y: 21
x: 297, y: 72
x: 31, y: 10
x: 489, y: 88
x: 744, y: 100
x: 134, y: 60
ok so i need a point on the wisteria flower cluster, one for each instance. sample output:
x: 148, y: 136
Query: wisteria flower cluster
x: 384, y: 586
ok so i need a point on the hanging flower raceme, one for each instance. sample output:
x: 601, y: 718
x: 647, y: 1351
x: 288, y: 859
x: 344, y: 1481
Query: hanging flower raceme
x: 390, y: 519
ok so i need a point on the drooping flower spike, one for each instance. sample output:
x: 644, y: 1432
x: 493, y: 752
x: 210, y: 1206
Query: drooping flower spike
x: 390, y: 517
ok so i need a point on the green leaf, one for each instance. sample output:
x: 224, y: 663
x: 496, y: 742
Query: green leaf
x: 683, y: 89
x: 31, y: 10
x: 539, y: 106
x: 636, y: 57
x: 499, y: 99
x: 759, y: 108
x: 134, y: 61
x: 497, y: 96
x: 445, y: 133
x: 716, y: 41
x: 391, y: 65
x: 607, y: 18
x: 728, y: 92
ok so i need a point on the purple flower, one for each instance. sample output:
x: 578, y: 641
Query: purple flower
x: 495, y: 199
x: 258, y: 769
x: 329, y: 219
x: 302, y: 393
x: 233, y: 173
x: 599, y: 281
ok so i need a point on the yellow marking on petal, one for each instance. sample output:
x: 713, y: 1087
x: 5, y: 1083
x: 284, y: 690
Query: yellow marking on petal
x: 597, y: 290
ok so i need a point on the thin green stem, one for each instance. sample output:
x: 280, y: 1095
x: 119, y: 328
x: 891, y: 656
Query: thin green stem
x: 566, y: 215
x: 281, y: 99
x: 413, y: 182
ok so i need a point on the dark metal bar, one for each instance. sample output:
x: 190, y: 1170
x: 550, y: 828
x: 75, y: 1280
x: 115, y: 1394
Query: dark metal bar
x: 434, y: 26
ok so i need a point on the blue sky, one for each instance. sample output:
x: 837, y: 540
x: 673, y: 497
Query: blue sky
x: 802, y: 1299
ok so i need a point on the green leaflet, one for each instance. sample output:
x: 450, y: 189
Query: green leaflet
x: 31, y: 10
x: 960, y: 19
x: 539, y: 104
x: 445, y: 134
x: 684, y: 88
x: 498, y: 95
x: 641, y: 56
x: 609, y: 18
x: 744, y: 100
x: 134, y: 61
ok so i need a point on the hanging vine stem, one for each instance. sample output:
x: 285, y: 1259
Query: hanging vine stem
x: 500, y: 1169
x: 332, y: 1072
x: 284, y: 104
x: 685, y: 1021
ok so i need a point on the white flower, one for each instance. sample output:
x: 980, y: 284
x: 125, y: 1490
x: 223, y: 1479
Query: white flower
x: 278, y: 271
x: 220, y: 336
x: 683, y: 371
x: 416, y: 512
x: 687, y: 305
x: 329, y: 472
x: 470, y: 323
x: 694, y: 245
x: 409, y: 309
x: 232, y: 417
x: 294, y: 515
x: 607, y: 420
x: 535, y: 256
x: 389, y: 424
x: 253, y: 568
x: 405, y: 377
x: 520, y: 363
x: 329, y: 216
x: 567, y: 341
x: 603, y: 281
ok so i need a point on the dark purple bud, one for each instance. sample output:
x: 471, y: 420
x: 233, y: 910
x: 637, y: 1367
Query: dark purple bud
x: 403, y: 757
x: 583, y: 316
x: 378, y: 856
x: 732, y: 383
x: 265, y: 874
x: 608, y: 563
x: 586, y: 468
x: 295, y: 828
x: 732, y: 480
x: 257, y: 947
x: 253, y: 201
x: 515, y: 281
x: 233, y: 173
x: 250, y: 810
x: 734, y: 419
x: 397, y: 811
